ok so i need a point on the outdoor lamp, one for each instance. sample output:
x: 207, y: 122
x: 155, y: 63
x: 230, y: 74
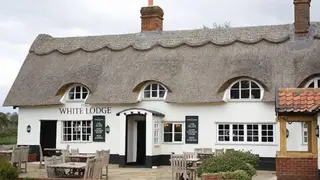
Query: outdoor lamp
x: 107, y: 129
x: 287, y: 133
x: 28, y: 128
x: 317, y: 131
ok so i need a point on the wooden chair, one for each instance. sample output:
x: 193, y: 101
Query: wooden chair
x: 178, y: 166
x: 105, y: 154
x: 41, y: 160
x: 93, y: 169
x: 75, y: 151
x: 64, y: 154
x: 192, y: 167
x: 16, y: 158
x: 198, y: 150
x: 50, y: 171
x: 219, y: 151
x: 24, y: 158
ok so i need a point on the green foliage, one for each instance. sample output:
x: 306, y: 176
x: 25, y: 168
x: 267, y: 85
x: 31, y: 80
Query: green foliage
x: 4, y: 120
x: 7, y: 171
x: 236, y: 175
x: 8, y: 132
x: 230, y: 162
x: 8, y: 140
x: 28, y: 178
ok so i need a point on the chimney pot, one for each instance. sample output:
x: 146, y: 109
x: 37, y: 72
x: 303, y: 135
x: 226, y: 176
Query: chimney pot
x: 301, y: 16
x: 151, y: 18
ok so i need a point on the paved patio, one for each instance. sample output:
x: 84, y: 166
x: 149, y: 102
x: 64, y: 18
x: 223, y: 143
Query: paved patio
x: 116, y: 173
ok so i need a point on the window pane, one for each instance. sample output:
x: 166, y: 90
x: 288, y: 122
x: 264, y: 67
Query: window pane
x: 252, y: 133
x: 244, y: 84
x: 167, y: 137
x: 254, y: 85
x: 178, y: 128
x: 223, y: 132
x: 148, y: 87
x: 234, y: 94
x: 154, y: 86
x: 147, y: 94
x: 71, y: 95
x: 84, y: 95
x: 255, y: 94
x: 78, y: 89
x: 84, y: 89
x: 78, y: 95
x: 161, y: 94
x: 235, y: 86
x: 267, y: 133
x: 161, y: 88
x: 177, y: 137
x: 154, y: 94
x: 167, y: 127
x: 245, y: 93
x: 311, y: 85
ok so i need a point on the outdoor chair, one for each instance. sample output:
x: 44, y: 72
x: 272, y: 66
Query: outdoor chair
x: 219, y: 151
x: 24, y: 158
x: 64, y: 154
x: 178, y: 166
x: 16, y: 158
x: 105, y: 154
x: 198, y: 150
x: 75, y: 151
x: 49, y: 170
x: 207, y: 150
x: 41, y: 160
x: 93, y: 168
x: 192, y: 167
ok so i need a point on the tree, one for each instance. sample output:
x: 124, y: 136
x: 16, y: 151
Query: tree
x: 14, y: 118
x: 218, y: 26
x: 4, y: 120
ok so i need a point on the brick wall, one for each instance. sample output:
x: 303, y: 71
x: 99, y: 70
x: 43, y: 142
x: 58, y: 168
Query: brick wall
x: 209, y: 177
x: 297, y: 168
x: 301, y: 16
x: 151, y: 18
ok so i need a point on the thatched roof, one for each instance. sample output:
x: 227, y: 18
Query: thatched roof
x: 196, y: 65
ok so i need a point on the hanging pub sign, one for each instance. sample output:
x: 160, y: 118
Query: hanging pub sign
x: 192, y: 127
x: 98, y: 123
x: 86, y: 110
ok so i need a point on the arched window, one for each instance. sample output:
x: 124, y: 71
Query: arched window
x: 154, y: 91
x: 245, y: 89
x: 78, y: 93
x: 314, y: 83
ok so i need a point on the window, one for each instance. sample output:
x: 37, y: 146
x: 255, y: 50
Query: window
x: 156, y: 133
x: 304, y: 132
x: 267, y: 133
x: 245, y: 89
x: 76, y: 131
x: 154, y: 91
x: 251, y: 133
x: 172, y: 132
x: 314, y: 83
x: 78, y: 93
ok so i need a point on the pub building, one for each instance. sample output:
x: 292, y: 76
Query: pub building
x: 147, y: 94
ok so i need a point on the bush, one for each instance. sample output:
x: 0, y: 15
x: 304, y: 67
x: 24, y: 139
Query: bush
x: 230, y: 162
x: 236, y: 175
x: 7, y: 171
x: 9, y: 132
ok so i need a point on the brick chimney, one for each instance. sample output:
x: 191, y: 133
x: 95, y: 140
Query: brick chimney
x: 151, y: 18
x: 301, y: 16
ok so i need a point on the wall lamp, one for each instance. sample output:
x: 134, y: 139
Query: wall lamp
x: 107, y: 129
x: 317, y: 131
x: 287, y: 133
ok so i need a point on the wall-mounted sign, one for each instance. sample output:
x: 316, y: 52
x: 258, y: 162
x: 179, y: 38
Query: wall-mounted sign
x: 86, y: 110
x: 192, y: 127
x: 98, y: 123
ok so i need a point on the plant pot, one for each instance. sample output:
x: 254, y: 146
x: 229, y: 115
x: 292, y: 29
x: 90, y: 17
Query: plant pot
x: 32, y: 157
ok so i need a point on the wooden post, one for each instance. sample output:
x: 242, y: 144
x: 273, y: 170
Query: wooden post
x: 283, y: 137
x: 309, y: 136
x: 314, y: 146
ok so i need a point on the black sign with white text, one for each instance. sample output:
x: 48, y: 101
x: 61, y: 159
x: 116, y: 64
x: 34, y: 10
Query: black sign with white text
x: 98, y: 123
x: 192, y: 127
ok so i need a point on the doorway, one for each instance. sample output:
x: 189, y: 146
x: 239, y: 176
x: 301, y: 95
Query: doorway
x: 136, y: 140
x: 48, y: 134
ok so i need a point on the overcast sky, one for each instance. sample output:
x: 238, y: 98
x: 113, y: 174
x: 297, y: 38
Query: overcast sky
x: 22, y: 20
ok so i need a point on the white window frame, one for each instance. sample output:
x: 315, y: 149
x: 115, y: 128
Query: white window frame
x: 304, y: 130
x: 245, y: 133
x: 81, y: 93
x: 227, y: 96
x: 315, y: 81
x: 142, y: 94
x: 173, y: 133
x: 156, y: 133
x: 81, y: 133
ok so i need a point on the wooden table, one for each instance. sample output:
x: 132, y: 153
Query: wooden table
x: 51, y: 151
x: 76, y: 169
x: 80, y: 157
x: 6, y: 151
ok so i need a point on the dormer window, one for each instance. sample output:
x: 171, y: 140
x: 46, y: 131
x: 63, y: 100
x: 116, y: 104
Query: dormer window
x: 154, y: 91
x: 78, y: 93
x: 245, y: 89
x: 314, y: 83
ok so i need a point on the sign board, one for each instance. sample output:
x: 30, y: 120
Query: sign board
x: 192, y: 127
x: 98, y: 123
x: 86, y: 110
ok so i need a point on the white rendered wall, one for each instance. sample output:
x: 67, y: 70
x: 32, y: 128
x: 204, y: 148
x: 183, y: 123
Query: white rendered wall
x: 209, y: 115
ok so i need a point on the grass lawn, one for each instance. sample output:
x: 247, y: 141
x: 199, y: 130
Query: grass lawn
x: 8, y: 140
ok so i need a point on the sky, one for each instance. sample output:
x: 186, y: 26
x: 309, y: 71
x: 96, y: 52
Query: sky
x: 22, y: 20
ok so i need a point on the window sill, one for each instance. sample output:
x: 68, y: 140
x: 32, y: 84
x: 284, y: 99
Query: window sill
x: 75, y: 101
x: 246, y: 144
x: 173, y: 143
x: 76, y: 142
x: 243, y: 100
x: 152, y: 99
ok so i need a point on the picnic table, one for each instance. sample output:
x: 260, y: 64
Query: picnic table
x: 75, y: 169
x: 6, y: 151
x: 80, y: 157
x: 51, y: 151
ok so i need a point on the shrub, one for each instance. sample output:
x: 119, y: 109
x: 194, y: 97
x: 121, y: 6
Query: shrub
x: 247, y: 157
x: 236, y: 175
x: 7, y: 171
x: 229, y: 162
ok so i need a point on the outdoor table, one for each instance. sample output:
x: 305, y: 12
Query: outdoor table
x: 80, y: 157
x: 6, y: 154
x: 51, y: 151
x: 76, y: 169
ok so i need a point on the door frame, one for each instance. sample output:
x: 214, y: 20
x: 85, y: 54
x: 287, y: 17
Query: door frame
x: 126, y: 141
x: 40, y: 138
